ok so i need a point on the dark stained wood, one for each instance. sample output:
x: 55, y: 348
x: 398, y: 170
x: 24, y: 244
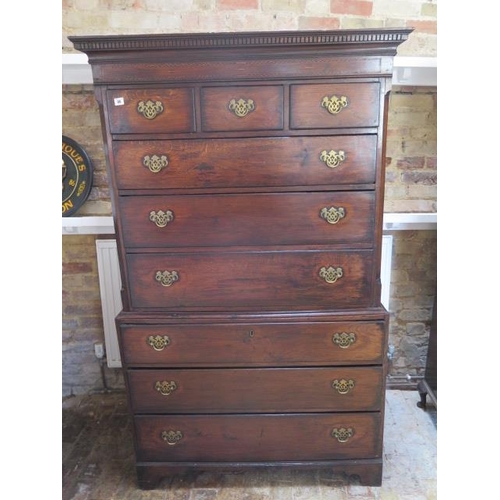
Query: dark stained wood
x: 294, y: 161
x: 241, y: 280
x: 253, y: 336
x: 266, y: 112
x: 248, y: 219
x: 262, y: 437
x: 365, y: 472
x: 257, y: 390
x: 177, y: 113
x: 362, y: 109
x: 254, y: 344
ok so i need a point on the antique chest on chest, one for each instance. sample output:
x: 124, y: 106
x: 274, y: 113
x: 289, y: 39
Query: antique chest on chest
x: 247, y: 176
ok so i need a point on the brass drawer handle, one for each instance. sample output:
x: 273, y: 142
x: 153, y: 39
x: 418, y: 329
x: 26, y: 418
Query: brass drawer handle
x: 332, y: 159
x: 157, y: 342
x: 171, y: 437
x: 334, y: 104
x: 166, y: 278
x: 155, y: 163
x: 342, y: 435
x: 332, y: 215
x: 150, y: 109
x: 165, y: 388
x: 331, y: 274
x: 344, y: 340
x: 161, y: 218
x: 343, y: 386
x: 241, y: 107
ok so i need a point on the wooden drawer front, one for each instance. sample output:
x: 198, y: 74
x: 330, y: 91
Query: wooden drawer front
x: 257, y: 390
x: 248, y: 219
x: 268, y: 280
x: 288, y: 161
x: 247, y: 438
x: 334, y: 105
x: 282, y: 344
x: 151, y: 110
x: 241, y: 108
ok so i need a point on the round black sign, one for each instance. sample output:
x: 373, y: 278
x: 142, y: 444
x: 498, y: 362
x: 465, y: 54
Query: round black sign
x: 76, y: 176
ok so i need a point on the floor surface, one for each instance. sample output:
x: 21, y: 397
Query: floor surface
x: 98, y: 462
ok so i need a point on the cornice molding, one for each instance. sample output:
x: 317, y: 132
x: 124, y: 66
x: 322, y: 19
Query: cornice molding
x: 390, y: 37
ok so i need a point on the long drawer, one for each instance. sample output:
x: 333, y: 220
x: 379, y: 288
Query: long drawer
x: 268, y: 280
x: 221, y: 163
x: 256, y: 390
x: 247, y: 438
x: 248, y: 219
x: 253, y: 344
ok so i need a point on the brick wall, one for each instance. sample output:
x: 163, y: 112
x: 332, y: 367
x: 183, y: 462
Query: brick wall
x: 88, y: 17
x: 411, y: 178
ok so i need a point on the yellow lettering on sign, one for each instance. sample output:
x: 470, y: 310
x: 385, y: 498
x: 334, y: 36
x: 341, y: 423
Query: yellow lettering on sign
x: 67, y: 205
x: 81, y: 187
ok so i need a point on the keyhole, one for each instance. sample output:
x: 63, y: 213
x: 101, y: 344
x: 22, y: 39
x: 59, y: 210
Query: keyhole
x: 251, y: 333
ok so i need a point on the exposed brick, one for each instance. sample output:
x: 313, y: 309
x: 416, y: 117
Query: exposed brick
x: 411, y: 162
x: 295, y: 6
x: 237, y: 4
x: 204, y: 4
x: 429, y: 9
x: 424, y: 26
x: 170, y: 7
x: 77, y: 267
x: 402, y: 9
x: 419, y: 178
x: 421, y: 192
x: 318, y: 23
x: 350, y: 23
x: 431, y: 162
x: 352, y: 7
x: 317, y: 7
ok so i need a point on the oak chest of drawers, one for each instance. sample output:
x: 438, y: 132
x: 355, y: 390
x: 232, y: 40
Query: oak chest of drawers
x: 247, y: 188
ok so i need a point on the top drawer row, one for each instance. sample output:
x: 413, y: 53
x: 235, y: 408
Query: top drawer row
x: 239, y: 108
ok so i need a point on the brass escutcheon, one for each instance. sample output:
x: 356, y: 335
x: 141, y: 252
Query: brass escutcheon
x: 331, y: 158
x: 241, y: 107
x: 343, y: 386
x: 171, y: 437
x: 150, y: 109
x: 165, y: 388
x: 155, y: 163
x: 157, y: 342
x: 161, y: 218
x: 332, y: 215
x: 331, y: 274
x: 344, y: 340
x: 342, y: 434
x: 166, y: 278
x: 334, y: 104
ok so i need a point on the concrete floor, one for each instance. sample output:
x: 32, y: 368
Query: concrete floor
x: 98, y: 462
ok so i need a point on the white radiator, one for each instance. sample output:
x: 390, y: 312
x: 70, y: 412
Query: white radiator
x: 110, y: 285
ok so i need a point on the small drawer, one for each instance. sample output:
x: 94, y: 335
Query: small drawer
x: 253, y: 344
x: 266, y: 162
x: 248, y: 438
x: 257, y: 390
x: 241, y: 108
x: 335, y: 105
x: 269, y: 280
x: 152, y: 110
x: 247, y: 219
